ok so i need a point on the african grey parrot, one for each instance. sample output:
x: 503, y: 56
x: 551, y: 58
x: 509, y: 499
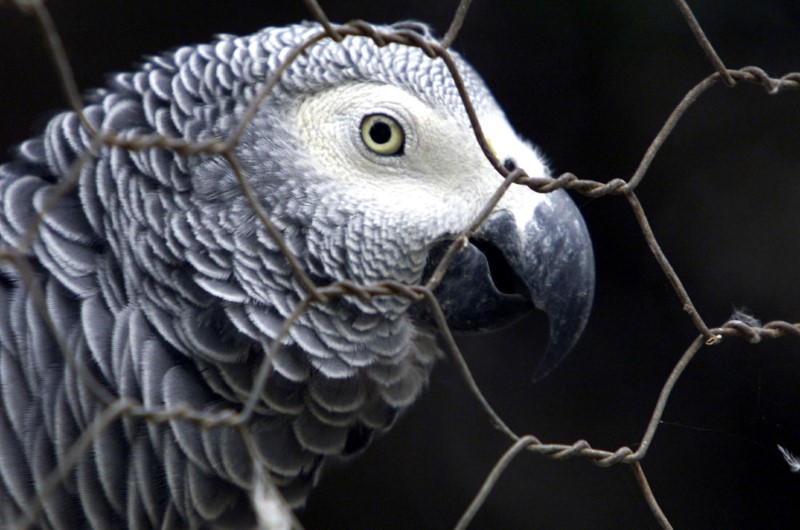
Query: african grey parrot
x: 159, y: 277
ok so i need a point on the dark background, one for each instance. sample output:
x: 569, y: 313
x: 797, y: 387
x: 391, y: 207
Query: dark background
x: 590, y: 82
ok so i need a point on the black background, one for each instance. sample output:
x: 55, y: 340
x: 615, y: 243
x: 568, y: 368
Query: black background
x: 590, y: 82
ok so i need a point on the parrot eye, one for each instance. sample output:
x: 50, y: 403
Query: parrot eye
x: 382, y: 134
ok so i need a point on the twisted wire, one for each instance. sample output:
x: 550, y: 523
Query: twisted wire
x: 118, y: 406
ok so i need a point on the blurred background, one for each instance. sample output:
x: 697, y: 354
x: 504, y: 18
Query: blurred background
x: 590, y: 83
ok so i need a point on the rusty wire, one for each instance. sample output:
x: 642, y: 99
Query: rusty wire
x: 114, y: 407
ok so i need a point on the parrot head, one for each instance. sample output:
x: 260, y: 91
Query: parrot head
x: 373, y: 169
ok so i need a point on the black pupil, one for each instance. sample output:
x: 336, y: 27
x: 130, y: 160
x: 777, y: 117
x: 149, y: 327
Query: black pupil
x: 510, y: 164
x: 380, y: 132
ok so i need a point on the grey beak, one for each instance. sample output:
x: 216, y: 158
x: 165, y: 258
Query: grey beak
x: 513, y: 264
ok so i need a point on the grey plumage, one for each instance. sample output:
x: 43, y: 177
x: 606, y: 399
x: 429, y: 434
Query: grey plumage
x: 160, y: 279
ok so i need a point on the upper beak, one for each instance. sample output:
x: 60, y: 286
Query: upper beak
x: 533, y: 254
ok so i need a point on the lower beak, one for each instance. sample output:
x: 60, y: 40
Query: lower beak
x: 517, y: 261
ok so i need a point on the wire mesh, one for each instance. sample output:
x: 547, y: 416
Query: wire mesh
x: 708, y: 335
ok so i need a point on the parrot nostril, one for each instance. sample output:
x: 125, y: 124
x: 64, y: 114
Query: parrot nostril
x: 503, y: 276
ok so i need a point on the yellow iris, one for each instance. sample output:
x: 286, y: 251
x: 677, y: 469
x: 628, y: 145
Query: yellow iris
x: 382, y: 135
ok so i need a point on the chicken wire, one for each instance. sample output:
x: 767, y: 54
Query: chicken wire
x: 709, y: 331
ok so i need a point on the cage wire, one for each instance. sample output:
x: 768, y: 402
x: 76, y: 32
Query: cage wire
x: 633, y: 456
